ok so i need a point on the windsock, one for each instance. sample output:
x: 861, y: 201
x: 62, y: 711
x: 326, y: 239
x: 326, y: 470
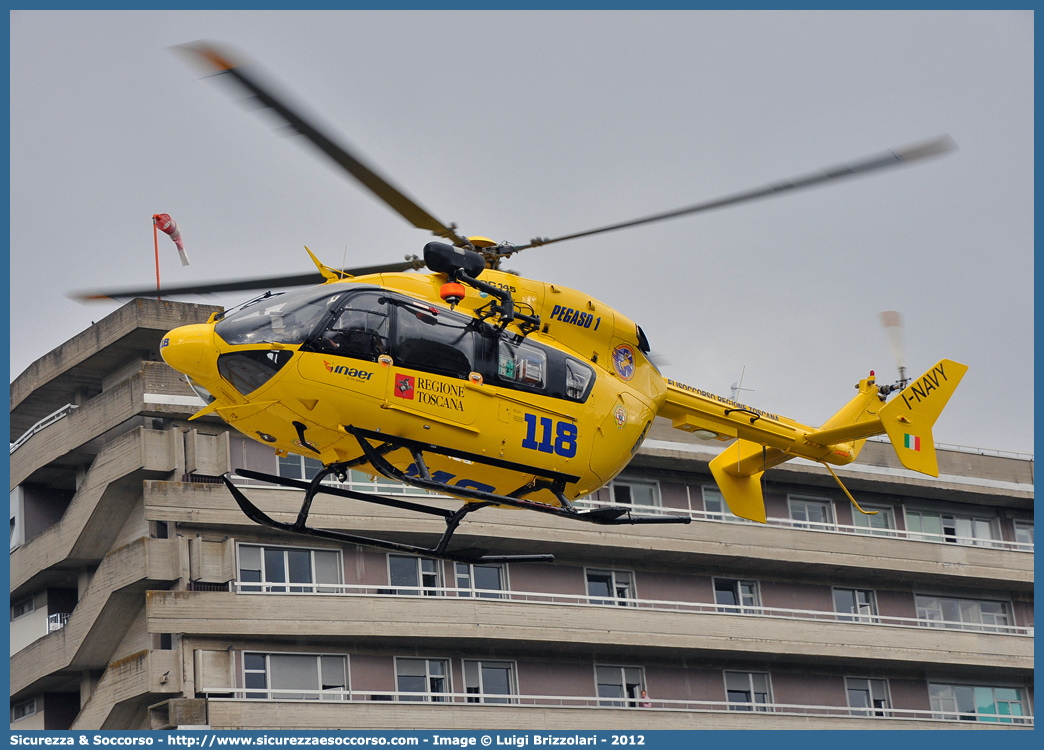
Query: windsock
x: 167, y: 225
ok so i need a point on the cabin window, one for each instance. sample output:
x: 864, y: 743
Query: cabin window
x: 283, y: 318
x: 248, y: 371
x: 522, y: 364
x: 360, y: 329
x: 578, y: 379
x: 432, y: 340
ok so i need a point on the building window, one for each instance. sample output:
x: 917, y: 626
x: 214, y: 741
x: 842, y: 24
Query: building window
x: 969, y: 703
x: 1024, y: 532
x: 747, y: 691
x: 619, y: 682
x: 628, y: 491
x: 811, y: 513
x: 283, y: 565
x: 420, y: 573
x: 714, y: 503
x: 962, y: 614
x: 879, y: 524
x: 22, y: 607
x: 294, y: 466
x: 617, y: 585
x: 489, y: 679
x: 867, y: 694
x: 23, y: 710
x: 856, y: 602
x: 938, y: 527
x: 311, y: 677
x: 736, y: 596
x: 485, y: 580
x: 429, y: 678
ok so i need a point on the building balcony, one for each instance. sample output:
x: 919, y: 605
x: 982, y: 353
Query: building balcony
x: 785, y: 550
x: 534, y: 713
x: 545, y: 623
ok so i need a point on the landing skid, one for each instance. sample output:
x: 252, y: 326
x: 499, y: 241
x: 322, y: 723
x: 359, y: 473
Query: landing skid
x: 552, y: 481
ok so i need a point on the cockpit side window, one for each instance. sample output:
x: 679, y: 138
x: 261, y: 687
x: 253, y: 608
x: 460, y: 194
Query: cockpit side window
x: 283, y: 318
x: 432, y: 340
x: 359, y: 330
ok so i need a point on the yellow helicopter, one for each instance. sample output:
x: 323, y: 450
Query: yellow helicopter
x: 483, y: 385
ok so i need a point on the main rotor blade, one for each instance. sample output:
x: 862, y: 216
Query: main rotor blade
x: 890, y: 158
x: 269, y: 282
x: 220, y: 63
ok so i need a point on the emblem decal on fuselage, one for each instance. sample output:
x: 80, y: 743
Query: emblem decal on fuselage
x: 623, y: 361
x: 620, y: 414
x: 404, y: 386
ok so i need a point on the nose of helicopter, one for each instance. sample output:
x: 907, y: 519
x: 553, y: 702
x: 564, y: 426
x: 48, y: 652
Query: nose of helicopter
x: 189, y: 350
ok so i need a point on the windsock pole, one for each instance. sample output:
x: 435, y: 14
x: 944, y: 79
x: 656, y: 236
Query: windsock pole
x: 155, y: 239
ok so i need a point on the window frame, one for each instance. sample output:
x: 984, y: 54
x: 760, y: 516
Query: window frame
x: 977, y: 627
x: 612, y: 599
x: 425, y: 697
x: 992, y: 523
x: 740, y: 607
x: 956, y: 714
x: 501, y: 593
x: 633, y: 481
x: 869, y: 530
x: 440, y: 589
x: 726, y: 514
x: 30, y: 601
x: 870, y: 711
x: 751, y: 705
x: 872, y: 617
x: 303, y: 474
x: 34, y: 709
x: 510, y: 697
x: 270, y: 692
x: 829, y: 525
x: 259, y: 587
x: 619, y: 702
x: 1023, y: 525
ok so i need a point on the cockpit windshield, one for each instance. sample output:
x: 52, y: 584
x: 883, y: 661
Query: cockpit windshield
x: 284, y: 318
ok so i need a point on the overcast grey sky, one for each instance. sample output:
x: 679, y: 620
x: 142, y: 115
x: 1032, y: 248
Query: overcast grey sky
x: 544, y: 123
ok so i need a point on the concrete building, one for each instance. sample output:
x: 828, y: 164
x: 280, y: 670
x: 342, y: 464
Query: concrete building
x: 141, y: 596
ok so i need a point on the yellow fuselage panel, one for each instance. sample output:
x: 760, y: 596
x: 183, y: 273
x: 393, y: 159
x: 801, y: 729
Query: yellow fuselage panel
x: 322, y: 394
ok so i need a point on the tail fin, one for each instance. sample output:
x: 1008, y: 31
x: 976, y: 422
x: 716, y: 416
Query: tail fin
x: 908, y: 418
x: 738, y: 470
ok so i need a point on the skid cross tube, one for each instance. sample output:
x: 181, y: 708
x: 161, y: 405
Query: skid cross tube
x: 603, y: 516
x: 440, y: 551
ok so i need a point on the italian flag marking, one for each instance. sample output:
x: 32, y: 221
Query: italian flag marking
x: 912, y: 442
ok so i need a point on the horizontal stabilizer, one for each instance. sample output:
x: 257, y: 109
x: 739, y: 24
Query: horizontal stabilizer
x: 908, y: 418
